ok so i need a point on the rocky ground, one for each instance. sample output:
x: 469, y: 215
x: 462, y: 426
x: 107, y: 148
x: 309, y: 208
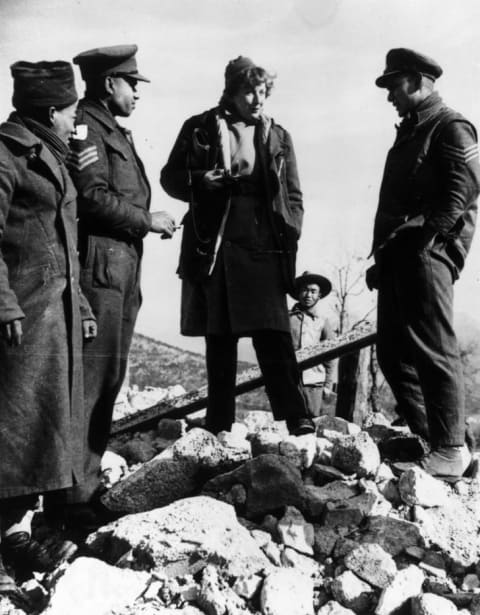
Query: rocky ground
x: 259, y: 522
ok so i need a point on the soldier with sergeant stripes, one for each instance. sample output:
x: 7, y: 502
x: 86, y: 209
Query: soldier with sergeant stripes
x: 423, y: 230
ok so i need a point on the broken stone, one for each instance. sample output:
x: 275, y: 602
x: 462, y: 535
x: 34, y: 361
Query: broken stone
x: 384, y: 473
x: 137, y: 451
x: 287, y: 592
x: 295, y: 532
x: 403, y: 447
x: 247, y: 587
x: 372, y: 564
x: 324, y: 541
x: 418, y: 487
x: 271, y: 483
x: 181, y: 539
x: 233, y: 440
x: 406, y: 584
x: 451, y: 529
x: 156, y: 483
x: 470, y: 583
x: 351, y: 592
x: 356, y: 454
x: 323, y: 474
x: 334, y: 608
x: 389, y: 490
x: 108, y: 587
x: 302, y: 563
x: 216, y: 597
x: 316, y: 497
x: 341, y: 514
x: 434, y: 563
x: 336, y: 424
x: 392, y: 534
x: 430, y: 604
x: 171, y: 429
x: 299, y: 450
x: 265, y: 443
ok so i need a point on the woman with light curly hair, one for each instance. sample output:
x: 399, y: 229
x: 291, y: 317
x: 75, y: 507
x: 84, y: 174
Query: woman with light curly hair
x: 236, y: 168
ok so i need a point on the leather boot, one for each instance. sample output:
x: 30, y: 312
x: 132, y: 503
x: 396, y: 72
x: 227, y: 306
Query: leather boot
x: 23, y: 553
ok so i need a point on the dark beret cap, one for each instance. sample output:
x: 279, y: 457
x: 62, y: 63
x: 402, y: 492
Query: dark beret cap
x: 403, y: 60
x: 237, y: 66
x: 43, y: 84
x: 103, y: 61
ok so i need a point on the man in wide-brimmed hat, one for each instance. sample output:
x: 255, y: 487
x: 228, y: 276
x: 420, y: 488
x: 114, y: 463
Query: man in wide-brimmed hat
x: 309, y: 326
x: 423, y: 230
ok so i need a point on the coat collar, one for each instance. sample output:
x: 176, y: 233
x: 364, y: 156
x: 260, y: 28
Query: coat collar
x: 99, y: 112
x: 34, y: 147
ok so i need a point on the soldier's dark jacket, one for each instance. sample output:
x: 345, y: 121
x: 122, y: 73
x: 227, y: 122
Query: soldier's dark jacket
x: 431, y: 180
x: 114, y: 193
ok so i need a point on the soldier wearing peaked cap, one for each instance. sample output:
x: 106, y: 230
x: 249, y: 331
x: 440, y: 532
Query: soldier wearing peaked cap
x: 113, y: 206
x: 423, y: 230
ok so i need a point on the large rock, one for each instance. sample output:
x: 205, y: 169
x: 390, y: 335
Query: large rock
x: 287, y: 592
x: 157, y: 483
x: 295, y: 532
x: 299, y: 450
x: 216, y: 597
x: 406, y: 584
x: 356, y: 455
x: 271, y: 483
x: 392, y: 534
x: 453, y: 529
x: 176, y: 473
x: 418, y: 487
x: 352, y: 592
x: 93, y: 587
x: 430, y: 604
x: 372, y: 564
x: 181, y: 539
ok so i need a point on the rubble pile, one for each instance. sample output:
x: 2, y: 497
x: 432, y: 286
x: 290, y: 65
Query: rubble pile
x: 260, y: 522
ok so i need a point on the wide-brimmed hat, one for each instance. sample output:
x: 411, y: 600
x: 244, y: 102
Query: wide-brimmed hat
x: 401, y: 60
x: 118, y: 60
x: 43, y: 84
x: 312, y: 278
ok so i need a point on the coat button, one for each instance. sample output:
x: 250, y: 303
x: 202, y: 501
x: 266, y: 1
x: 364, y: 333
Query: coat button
x: 227, y: 244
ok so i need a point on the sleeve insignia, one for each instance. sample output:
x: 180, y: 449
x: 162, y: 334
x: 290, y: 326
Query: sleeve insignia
x: 460, y: 154
x: 78, y: 161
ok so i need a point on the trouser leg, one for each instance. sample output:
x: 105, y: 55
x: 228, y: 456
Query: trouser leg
x: 314, y: 399
x: 396, y: 360
x: 422, y: 287
x: 278, y: 364
x: 221, y: 359
x: 105, y: 363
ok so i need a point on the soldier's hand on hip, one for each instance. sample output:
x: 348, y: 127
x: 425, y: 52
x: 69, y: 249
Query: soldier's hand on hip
x: 12, y: 332
x: 89, y: 329
x: 163, y: 223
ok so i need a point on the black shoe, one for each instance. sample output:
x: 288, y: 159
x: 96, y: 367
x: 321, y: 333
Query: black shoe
x: 300, y: 427
x: 24, y: 554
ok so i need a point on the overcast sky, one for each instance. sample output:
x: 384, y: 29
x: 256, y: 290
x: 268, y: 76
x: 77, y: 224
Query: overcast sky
x: 326, y: 53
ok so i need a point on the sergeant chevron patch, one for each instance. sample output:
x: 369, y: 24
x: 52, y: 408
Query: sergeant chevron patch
x: 460, y: 154
x: 80, y: 160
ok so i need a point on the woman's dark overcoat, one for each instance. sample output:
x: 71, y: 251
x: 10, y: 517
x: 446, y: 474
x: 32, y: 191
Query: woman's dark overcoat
x: 41, y: 390
x: 254, y: 269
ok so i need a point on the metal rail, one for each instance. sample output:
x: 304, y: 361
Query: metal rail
x: 247, y: 380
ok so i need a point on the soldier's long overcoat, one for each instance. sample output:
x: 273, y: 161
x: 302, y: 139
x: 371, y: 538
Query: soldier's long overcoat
x: 41, y: 390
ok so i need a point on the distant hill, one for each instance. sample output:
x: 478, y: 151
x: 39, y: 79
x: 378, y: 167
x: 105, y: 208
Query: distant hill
x: 154, y: 363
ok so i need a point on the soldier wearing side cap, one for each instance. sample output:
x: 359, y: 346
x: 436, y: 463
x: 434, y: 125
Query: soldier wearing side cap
x: 114, y: 202
x: 423, y: 230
